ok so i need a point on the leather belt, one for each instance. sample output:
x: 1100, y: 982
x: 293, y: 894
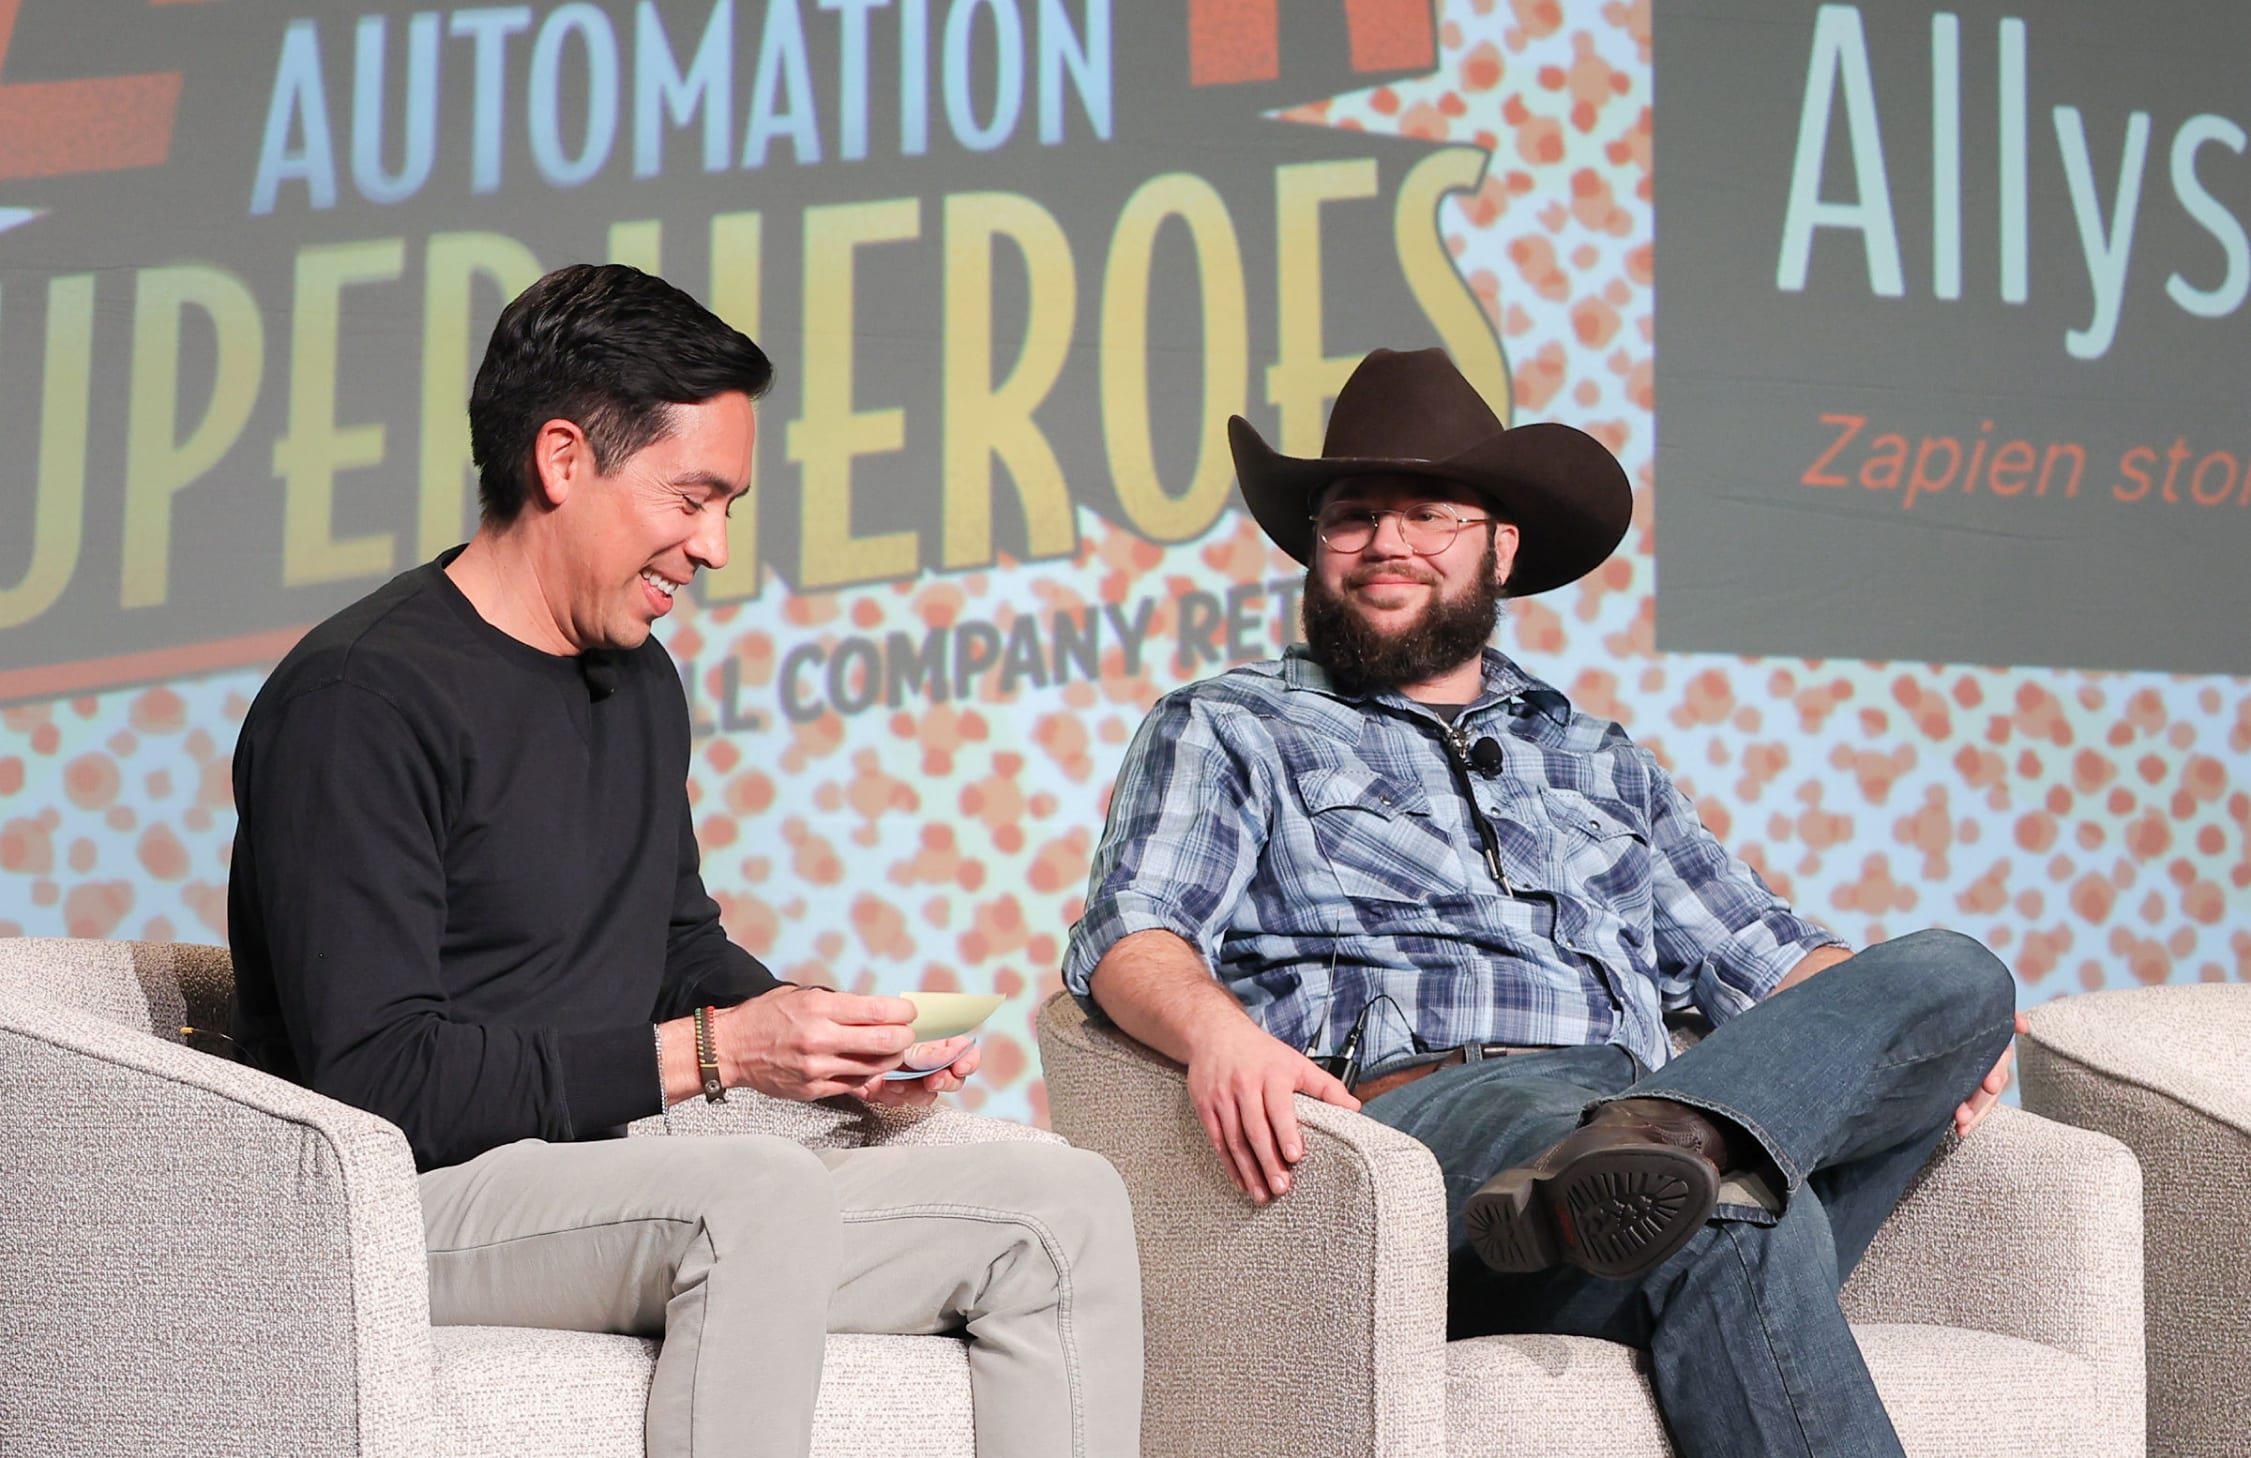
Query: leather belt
x: 1383, y: 1083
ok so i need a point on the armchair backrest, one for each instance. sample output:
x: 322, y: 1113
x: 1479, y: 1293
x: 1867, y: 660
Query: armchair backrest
x: 150, y: 987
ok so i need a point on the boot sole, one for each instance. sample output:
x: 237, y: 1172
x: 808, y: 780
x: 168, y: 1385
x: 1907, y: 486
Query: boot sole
x: 1615, y: 1213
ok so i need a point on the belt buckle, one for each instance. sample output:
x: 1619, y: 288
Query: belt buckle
x: 1479, y: 1052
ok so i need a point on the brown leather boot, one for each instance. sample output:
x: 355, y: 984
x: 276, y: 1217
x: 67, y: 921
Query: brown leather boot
x: 1682, y: 1125
x: 1616, y: 1197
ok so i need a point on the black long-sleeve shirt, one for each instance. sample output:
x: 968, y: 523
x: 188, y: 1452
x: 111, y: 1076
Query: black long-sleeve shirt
x: 465, y: 879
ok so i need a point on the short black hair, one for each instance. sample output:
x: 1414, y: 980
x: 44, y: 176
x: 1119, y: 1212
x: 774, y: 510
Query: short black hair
x: 610, y: 349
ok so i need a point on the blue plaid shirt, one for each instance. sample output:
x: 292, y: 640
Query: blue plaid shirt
x: 1318, y: 849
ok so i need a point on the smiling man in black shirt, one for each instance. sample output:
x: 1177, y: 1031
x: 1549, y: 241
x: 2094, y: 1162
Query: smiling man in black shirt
x: 465, y: 896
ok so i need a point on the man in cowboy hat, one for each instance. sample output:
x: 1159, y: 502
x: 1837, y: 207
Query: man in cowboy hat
x: 1402, y: 855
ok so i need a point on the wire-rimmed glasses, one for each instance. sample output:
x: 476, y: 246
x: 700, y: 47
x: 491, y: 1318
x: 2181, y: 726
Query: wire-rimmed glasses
x: 1428, y: 528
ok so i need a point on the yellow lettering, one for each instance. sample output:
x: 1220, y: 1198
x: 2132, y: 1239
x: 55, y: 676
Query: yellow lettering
x: 452, y: 265
x: 831, y: 432
x: 1302, y: 380
x: 1437, y: 285
x: 640, y: 244
x: 738, y: 245
x: 67, y: 394
x: 316, y: 448
x: 983, y: 420
x: 158, y: 465
x: 1153, y: 511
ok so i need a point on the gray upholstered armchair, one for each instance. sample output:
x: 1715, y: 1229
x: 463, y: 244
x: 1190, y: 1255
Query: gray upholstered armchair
x: 199, y: 1259
x: 2168, y: 1070
x: 2000, y: 1308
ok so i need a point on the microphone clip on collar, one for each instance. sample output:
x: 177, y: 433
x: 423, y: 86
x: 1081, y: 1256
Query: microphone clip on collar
x: 1485, y: 756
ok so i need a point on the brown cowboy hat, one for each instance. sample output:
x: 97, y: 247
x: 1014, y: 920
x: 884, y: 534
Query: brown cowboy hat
x: 1412, y: 414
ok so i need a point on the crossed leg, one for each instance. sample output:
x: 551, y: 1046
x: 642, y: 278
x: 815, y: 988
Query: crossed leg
x: 1845, y: 1083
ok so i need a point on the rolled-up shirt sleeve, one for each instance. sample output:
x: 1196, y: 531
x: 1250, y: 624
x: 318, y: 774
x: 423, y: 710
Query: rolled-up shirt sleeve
x: 1724, y: 940
x: 1186, y: 824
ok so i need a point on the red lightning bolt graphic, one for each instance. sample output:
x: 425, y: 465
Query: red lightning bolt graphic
x: 56, y: 128
x: 1232, y: 41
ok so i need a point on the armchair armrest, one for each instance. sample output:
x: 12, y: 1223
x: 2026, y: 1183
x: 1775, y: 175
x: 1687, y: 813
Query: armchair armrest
x: 1339, y: 1287
x: 201, y: 1258
x: 839, y: 1123
x: 2031, y: 1229
x: 2162, y: 1069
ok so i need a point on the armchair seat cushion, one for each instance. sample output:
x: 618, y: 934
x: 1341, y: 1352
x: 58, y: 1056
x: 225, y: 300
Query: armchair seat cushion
x: 559, y: 1394
x: 1950, y: 1391
x: 506, y: 1389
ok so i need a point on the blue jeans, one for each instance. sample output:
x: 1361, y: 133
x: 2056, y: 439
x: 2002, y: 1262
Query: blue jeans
x: 1846, y: 1082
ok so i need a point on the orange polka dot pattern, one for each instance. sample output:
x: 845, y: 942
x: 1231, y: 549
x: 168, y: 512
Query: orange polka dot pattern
x: 2090, y: 827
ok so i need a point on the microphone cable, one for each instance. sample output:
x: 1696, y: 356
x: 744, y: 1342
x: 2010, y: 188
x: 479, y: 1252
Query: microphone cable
x: 1485, y: 756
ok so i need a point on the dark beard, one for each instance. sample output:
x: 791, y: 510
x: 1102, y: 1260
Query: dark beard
x: 1449, y: 632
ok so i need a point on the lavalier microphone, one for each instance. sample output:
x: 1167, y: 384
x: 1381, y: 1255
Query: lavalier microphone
x: 1344, y: 1064
x: 1485, y: 754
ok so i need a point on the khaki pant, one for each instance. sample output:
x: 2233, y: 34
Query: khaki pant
x: 743, y: 1252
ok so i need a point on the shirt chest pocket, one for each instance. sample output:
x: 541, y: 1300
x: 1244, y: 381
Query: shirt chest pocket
x: 1602, y: 844
x: 1379, y: 838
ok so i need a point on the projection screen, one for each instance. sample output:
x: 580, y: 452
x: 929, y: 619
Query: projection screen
x: 1939, y: 487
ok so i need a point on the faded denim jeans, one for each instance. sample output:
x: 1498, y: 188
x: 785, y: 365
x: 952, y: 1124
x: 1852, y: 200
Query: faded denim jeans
x: 1847, y: 1082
